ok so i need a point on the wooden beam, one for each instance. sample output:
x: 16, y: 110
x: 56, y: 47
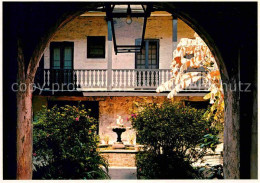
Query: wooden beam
x: 117, y: 94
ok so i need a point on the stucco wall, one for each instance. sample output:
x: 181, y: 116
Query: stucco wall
x: 158, y: 27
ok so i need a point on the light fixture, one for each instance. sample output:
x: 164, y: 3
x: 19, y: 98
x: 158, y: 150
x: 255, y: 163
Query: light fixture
x: 128, y: 18
x: 128, y: 24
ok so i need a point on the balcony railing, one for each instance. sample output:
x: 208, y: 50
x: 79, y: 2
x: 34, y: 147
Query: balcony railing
x: 97, y: 79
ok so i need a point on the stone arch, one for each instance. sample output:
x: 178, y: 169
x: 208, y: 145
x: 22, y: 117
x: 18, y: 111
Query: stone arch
x: 232, y: 120
x: 229, y: 96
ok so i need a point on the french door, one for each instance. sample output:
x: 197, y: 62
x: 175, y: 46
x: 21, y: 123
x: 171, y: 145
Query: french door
x: 145, y: 62
x: 61, y: 54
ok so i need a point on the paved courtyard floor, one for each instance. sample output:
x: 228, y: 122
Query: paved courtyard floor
x: 122, y: 172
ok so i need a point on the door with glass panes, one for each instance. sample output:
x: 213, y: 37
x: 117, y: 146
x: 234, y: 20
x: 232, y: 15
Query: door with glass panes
x: 61, y: 54
x: 147, y: 64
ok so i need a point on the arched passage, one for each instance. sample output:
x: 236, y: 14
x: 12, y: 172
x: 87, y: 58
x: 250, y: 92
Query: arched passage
x: 225, y: 50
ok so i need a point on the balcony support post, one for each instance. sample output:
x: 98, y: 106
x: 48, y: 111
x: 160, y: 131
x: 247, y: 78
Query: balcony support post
x: 109, y: 56
x: 174, y: 32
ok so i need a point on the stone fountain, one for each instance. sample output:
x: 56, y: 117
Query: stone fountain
x: 119, y: 129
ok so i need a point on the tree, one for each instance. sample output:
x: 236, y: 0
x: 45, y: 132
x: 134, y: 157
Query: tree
x: 194, y: 53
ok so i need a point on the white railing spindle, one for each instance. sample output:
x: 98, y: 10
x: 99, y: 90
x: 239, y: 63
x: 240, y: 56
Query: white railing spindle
x: 129, y: 78
x: 85, y: 78
x: 77, y: 76
x: 125, y: 84
x: 98, y: 77
x: 102, y: 78
x: 116, y: 76
x: 152, y: 78
x: 133, y: 78
x: 90, y: 78
x: 81, y: 78
x: 44, y: 78
x: 157, y: 79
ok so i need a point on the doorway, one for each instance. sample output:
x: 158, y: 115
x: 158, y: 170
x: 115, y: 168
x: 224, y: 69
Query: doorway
x: 147, y: 63
x: 61, y: 54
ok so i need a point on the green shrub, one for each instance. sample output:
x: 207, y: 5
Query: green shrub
x: 65, y: 145
x: 209, y: 141
x: 163, y: 166
x: 170, y: 134
x: 211, y: 172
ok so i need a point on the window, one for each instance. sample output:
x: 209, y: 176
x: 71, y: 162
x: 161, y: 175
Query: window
x: 96, y: 47
x: 149, y: 57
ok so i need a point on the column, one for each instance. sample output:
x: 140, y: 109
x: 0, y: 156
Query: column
x: 109, y: 56
x: 174, y: 32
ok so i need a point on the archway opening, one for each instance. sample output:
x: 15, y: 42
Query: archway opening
x: 218, y: 58
x: 77, y: 38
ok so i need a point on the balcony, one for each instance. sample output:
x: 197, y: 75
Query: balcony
x: 102, y: 80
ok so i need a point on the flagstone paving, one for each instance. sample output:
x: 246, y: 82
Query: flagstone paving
x: 122, y: 172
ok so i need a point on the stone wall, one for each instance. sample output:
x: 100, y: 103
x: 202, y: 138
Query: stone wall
x: 120, y: 158
x: 113, y: 106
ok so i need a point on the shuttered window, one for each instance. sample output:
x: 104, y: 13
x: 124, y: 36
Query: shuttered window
x: 96, y: 47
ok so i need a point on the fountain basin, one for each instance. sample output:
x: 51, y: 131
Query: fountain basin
x: 119, y: 144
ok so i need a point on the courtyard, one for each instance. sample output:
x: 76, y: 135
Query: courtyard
x: 127, y: 92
